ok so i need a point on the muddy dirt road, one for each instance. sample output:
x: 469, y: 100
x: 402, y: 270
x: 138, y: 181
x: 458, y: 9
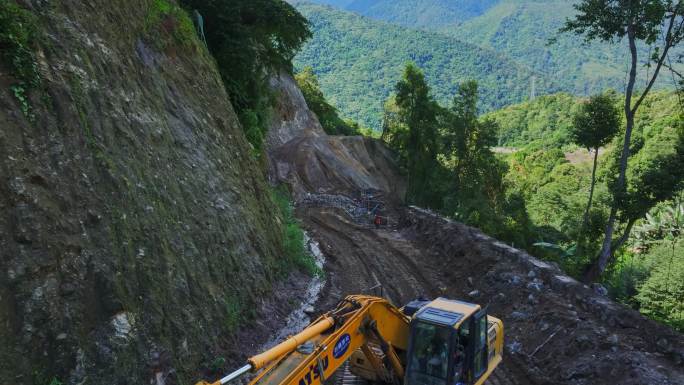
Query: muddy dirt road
x: 550, y: 339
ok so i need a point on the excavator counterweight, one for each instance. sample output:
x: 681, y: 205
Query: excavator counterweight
x: 440, y: 342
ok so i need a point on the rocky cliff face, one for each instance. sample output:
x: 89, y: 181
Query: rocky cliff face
x: 302, y: 155
x: 135, y: 228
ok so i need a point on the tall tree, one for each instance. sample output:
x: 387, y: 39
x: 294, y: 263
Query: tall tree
x: 473, y: 188
x: 467, y: 142
x: 656, y: 23
x: 417, y: 111
x: 595, y: 124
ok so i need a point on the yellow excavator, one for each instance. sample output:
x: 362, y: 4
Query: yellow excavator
x: 439, y: 342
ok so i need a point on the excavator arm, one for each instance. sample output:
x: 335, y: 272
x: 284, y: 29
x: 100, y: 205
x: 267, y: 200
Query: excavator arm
x: 450, y: 342
x: 313, y: 355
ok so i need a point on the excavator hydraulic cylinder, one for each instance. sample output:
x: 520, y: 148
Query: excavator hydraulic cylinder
x: 259, y: 361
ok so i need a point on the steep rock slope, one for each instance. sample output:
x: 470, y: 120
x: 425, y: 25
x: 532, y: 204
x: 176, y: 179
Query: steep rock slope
x: 135, y: 228
x: 302, y: 155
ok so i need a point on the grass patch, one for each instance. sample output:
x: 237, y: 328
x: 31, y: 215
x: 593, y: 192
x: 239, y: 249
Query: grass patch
x: 18, y: 38
x: 234, y: 312
x: 167, y: 19
x: 293, y: 235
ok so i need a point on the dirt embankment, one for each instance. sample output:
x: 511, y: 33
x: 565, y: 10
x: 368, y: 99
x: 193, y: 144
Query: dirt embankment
x: 557, y: 330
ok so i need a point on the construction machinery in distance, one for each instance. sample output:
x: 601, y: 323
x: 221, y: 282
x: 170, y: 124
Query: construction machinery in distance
x: 439, y: 342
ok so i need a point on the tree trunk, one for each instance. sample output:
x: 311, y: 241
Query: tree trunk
x: 625, y: 235
x: 630, y: 111
x: 606, y: 250
x: 591, y: 190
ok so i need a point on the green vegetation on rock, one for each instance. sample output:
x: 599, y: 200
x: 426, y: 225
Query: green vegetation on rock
x: 166, y: 18
x: 251, y: 39
x: 327, y: 114
x: 18, y: 39
x: 293, y: 235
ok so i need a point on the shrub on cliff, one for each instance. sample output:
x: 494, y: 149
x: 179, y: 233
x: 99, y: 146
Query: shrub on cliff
x: 251, y: 39
x: 18, y: 38
x: 326, y: 113
x: 18, y: 33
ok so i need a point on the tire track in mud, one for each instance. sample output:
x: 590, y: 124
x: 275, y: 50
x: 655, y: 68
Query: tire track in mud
x: 358, y: 256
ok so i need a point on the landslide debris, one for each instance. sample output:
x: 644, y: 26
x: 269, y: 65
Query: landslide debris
x: 557, y: 330
x: 310, y: 161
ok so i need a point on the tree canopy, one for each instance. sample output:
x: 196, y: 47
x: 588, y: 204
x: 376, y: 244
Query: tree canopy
x: 251, y: 39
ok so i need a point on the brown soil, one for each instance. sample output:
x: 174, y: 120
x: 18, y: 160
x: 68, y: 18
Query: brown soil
x: 551, y: 338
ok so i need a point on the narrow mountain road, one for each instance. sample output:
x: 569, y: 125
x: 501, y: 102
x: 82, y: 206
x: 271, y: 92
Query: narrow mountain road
x: 377, y: 261
x: 557, y: 331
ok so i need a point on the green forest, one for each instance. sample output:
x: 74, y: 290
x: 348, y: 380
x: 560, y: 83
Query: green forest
x: 533, y: 193
x: 503, y: 44
x: 357, y: 60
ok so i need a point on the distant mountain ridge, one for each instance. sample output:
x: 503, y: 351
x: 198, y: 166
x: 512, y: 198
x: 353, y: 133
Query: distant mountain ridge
x: 359, y: 60
x: 519, y: 29
x: 430, y: 14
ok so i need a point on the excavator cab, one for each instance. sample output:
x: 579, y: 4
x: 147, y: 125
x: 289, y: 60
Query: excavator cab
x: 452, y: 343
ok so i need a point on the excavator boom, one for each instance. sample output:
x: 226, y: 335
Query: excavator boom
x: 381, y: 339
x: 356, y: 320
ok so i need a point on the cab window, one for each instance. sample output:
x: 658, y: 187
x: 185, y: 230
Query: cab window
x: 480, y: 356
x: 460, y: 363
x: 430, y: 355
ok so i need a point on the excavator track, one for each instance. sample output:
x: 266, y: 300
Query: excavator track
x: 344, y: 376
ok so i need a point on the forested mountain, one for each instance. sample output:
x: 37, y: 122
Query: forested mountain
x: 522, y: 29
x: 412, y: 13
x: 358, y: 61
x: 429, y: 13
x: 519, y: 29
x: 546, y: 122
